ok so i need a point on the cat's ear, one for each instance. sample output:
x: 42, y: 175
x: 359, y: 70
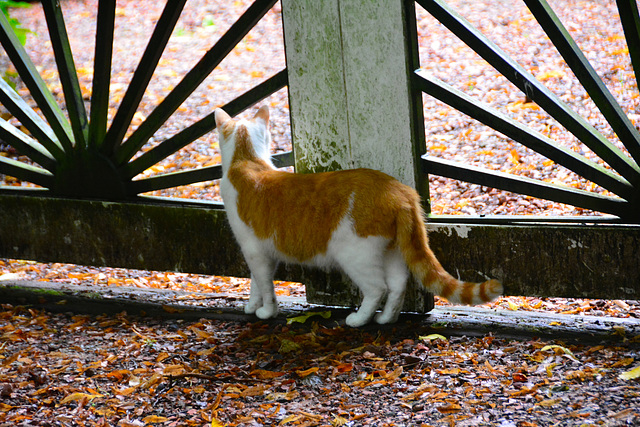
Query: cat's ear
x: 263, y: 114
x: 221, y: 117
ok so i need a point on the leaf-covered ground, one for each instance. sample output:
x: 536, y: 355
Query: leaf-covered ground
x: 70, y: 369
x: 65, y: 369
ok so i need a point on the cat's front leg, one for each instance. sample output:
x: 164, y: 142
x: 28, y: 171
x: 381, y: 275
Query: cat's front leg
x: 264, y: 303
x: 255, y: 298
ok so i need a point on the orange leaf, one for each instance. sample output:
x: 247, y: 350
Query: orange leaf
x: 154, y: 419
x: 450, y: 408
x: 79, y: 396
x: 266, y: 375
x: 307, y: 372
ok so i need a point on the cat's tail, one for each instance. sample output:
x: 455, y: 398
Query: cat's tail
x: 413, y: 243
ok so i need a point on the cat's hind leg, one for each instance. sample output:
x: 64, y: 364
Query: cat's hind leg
x: 396, y: 275
x: 369, y: 277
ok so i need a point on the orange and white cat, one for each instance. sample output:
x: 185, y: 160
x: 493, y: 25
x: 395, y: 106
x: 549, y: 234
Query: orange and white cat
x: 363, y: 221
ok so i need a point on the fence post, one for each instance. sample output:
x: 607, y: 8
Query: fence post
x: 349, y: 65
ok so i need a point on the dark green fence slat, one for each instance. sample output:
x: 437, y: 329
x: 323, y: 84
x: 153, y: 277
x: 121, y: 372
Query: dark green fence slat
x: 192, y: 80
x: 630, y: 20
x: 207, y: 124
x: 283, y: 160
x: 67, y: 71
x: 101, y: 72
x: 585, y: 73
x: 586, y: 133
x: 187, y: 177
x: 142, y: 75
x: 26, y: 146
x: 25, y: 172
x: 37, y: 87
x: 30, y: 120
x: 175, y: 179
x: 527, y: 186
x: 524, y: 135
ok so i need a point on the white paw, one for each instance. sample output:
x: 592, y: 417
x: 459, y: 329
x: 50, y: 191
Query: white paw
x: 252, y: 306
x: 267, y: 312
x: 383, y: 319
x: 355, y: 320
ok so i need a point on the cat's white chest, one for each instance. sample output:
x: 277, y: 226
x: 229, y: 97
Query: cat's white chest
x: 229, y: 194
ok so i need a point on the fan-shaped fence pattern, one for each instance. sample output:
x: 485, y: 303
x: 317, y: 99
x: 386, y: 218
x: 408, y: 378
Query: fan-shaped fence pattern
x: 621, y: 177
x: 84, y: 156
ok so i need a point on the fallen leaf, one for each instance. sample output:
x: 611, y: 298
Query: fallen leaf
x: 561, y: 348
x: 450, y: 408
x: 303, y: 318
x: 154, y: 419
x: 266, y: 375
x: 79, y: 396
x: 307, y: 372
x: 432, y: 337
x: 549, y: 402
x: 631, y: 374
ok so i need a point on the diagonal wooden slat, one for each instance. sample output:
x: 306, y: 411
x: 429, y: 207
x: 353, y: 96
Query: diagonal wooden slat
x: 37, y: 87
x: 101, y: 72
x: 26, y: 146
x: 521, y: 78
x: 175, y: 179
x: 26, y: 172
x: 142, y: 75
x: 187, y: 177
x: 528, y: 186
x: 193, y: 79
x: 67, y: 71
x: 587, y: 75
x: 283, y: 160
x: 630, y: 20
x: 524, y: 135
x: 201, y: 127
x: 30, y: 120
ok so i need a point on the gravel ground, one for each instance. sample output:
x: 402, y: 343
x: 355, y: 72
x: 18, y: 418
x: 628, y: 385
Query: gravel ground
x: 450, y: 134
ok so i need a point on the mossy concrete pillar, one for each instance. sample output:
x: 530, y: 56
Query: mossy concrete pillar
x: 349, y: 66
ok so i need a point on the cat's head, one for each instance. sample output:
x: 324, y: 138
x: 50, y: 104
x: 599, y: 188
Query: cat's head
x: 250, y: 137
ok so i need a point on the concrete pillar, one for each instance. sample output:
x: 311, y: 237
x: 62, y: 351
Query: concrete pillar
x: 350, y: 102
x: 350, y: 63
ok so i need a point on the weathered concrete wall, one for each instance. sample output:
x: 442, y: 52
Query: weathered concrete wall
x: 547, y: 260
x: 149, y: 237
x: 131, y: 235
x: 581, y: 261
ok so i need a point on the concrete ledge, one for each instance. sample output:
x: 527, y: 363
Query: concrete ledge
x: 562, y: 260
x: 469, y: 321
